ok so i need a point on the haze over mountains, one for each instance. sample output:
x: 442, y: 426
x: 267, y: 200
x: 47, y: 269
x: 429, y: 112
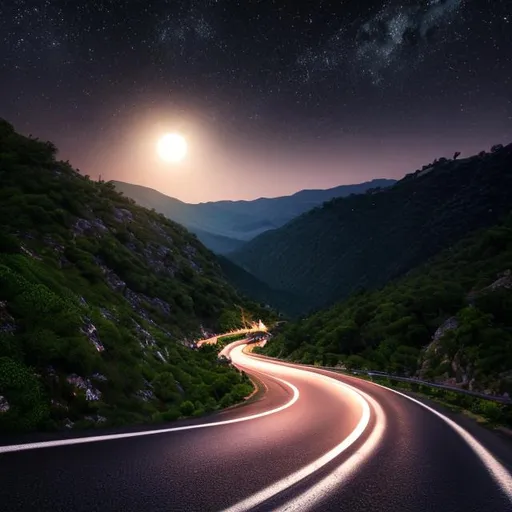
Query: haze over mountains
x: 224, y: 226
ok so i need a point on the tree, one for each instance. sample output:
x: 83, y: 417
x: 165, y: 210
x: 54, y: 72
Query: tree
x: 355, y: 362
x: 456, y: 155
x: 405, y: 360
x: 52, y: 148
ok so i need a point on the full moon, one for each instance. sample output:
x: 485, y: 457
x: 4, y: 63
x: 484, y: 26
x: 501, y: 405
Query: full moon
x: 172, y: 147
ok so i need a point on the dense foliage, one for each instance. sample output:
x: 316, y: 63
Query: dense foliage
x: 251, y: 286
x: 492, y: 413
x: 100, y: 300
x: 365, y: 240
x: 448, y: 321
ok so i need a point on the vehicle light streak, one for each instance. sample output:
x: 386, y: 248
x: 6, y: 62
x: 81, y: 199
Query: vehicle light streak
x: 310, y: 498
x: 347, y: 468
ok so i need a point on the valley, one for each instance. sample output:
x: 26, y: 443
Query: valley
x: 224, y: 226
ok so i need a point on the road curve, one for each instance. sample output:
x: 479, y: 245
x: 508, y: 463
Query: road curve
x: 315, y: 441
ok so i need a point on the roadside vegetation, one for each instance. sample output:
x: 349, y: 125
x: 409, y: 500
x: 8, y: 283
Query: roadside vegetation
x: 486, y: 412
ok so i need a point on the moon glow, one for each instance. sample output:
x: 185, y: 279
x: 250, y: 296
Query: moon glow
x: 172, y: 147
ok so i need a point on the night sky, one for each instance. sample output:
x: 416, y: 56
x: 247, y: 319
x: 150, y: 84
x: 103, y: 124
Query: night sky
x: 272, y: 96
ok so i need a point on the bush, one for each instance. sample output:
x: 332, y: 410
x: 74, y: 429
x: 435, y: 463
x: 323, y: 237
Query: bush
x: 187, y: 408
x: 240, y: 391
x: 490, y: 410
x: 22, y: 390
x: 170, y: 415
x: 164, y: 387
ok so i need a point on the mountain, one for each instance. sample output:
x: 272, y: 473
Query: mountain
x: 100, y: 301
x: 270, y: 213
x: 252, y: 287
x: 217, y: 243
x: 224, y: 226
x: 363, y: 241
x: 449, y: 320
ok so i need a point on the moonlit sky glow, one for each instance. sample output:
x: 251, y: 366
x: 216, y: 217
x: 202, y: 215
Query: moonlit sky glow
x: 172, y: 147
x: 271, y: 97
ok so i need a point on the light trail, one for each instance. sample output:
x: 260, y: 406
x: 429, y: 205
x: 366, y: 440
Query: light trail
x: 347, y: 468
x: 340, y: 476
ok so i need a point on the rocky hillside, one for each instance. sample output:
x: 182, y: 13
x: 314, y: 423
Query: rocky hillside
x: 363, y: 241
x: 100, y: 302
x: 448, y: 321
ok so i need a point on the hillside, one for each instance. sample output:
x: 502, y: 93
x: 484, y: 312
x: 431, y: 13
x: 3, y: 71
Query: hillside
x: 448, y: 321
x: 224, y: 226
x: 217, y: 243
x: 252, y: 287
x: 363, y: 241
x: 100, y: 300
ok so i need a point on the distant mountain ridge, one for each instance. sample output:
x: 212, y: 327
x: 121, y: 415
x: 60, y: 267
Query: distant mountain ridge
x: 280, y: 210
x: 363, y: 241
x: 223, y: 226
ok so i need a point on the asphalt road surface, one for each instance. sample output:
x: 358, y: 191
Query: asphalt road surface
x: 316, y: 440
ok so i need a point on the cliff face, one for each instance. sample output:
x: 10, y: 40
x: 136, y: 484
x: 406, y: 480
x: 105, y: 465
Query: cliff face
x: 449, y: 360
x: 433, y: 348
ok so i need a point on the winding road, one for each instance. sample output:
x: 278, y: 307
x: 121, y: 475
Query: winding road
x: 314, y: 440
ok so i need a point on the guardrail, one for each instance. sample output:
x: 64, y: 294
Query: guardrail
x: 371, y: 373
x: 493, y: 398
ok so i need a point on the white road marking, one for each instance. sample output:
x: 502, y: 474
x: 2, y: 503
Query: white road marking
x: 499, y: 472
x: 306, y: 500
x: 354, y: 461
x: 109, y: 437
x: 309, y: 500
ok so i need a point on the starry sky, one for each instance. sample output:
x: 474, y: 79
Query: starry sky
x: 273, y: 95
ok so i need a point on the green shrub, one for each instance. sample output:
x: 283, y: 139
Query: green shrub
x: 187, y: 408
x: 490, y: 410
x: 28, y: 406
